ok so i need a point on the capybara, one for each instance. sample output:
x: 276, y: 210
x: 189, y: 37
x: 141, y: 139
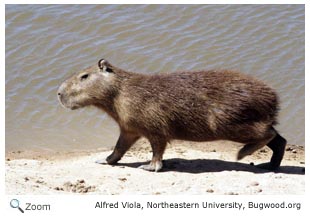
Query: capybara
x: 204, y: 105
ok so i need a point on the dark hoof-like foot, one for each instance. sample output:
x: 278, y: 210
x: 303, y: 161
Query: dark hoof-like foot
x: 111, y: 159
x: 156, y: 166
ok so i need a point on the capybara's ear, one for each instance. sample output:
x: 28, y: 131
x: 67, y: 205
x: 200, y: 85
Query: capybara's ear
x: 104, y: 65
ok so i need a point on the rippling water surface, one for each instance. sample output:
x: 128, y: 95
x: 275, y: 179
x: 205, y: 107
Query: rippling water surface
x: 47, y: 43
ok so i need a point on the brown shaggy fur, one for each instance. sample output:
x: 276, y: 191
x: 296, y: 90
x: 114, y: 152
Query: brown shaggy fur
x: 196, y: 106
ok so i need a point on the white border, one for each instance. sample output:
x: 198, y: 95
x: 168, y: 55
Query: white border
x: 70, y: 205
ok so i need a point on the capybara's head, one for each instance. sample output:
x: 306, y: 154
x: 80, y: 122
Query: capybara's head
x: 88, y: 87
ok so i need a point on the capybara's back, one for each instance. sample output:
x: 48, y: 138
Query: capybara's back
x: 196, y: 106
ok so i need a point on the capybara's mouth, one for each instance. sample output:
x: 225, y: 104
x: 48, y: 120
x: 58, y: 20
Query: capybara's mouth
x: 64, y: 103
x: 71, y: 106
x: 74, y: 107
x: 66, y: 106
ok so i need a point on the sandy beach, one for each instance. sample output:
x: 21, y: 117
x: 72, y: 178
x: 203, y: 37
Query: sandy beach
x: 189, y: 168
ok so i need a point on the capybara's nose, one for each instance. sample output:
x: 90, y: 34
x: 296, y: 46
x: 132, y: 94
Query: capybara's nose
x: 59, y: 96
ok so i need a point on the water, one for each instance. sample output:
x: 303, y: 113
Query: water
x: 47, y: 43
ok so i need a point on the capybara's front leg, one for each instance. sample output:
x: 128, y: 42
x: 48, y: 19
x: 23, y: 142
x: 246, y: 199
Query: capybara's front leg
x: 158, y: 148
x: 125, y: 141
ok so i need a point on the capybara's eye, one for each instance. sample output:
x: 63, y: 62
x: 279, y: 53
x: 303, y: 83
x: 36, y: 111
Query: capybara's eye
x: 83, y: 77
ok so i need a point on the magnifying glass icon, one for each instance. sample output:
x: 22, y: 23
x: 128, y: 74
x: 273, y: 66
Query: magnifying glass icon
x: 15, y: 204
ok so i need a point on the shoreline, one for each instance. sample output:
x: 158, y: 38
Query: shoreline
x: 142, y: 145
x: 189, y: 168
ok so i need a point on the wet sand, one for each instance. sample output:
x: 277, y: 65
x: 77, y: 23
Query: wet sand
x: 189, y: 168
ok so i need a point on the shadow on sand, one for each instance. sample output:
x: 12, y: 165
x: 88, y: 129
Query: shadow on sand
x: 211, y: 165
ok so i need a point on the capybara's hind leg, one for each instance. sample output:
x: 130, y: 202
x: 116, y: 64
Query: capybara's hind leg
x: 256, y: 144
x: 250, y: 148
x: 277, y: 145
x: 125, y: 141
